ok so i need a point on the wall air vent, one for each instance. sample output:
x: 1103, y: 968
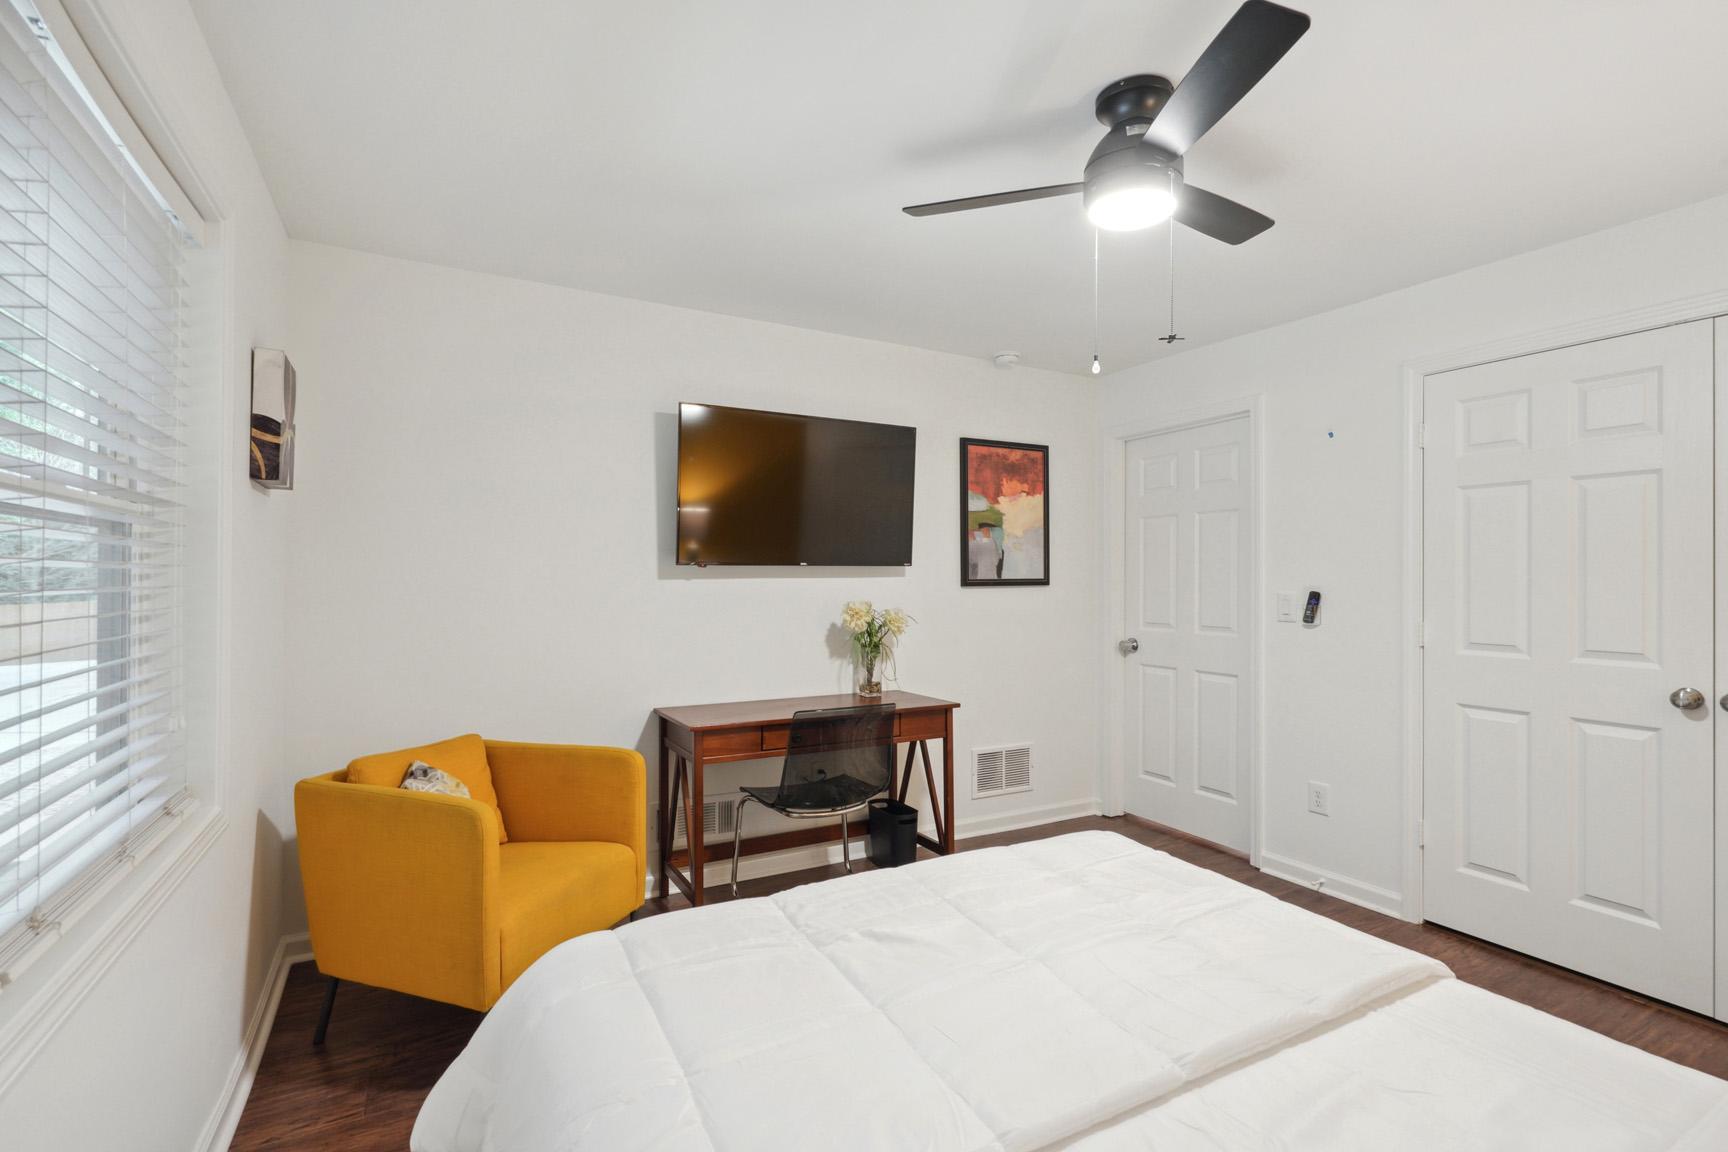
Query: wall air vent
x: 999, y: 771
x: 718, y: 814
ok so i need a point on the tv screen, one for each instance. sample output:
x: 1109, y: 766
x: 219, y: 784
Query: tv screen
x: 773, y: 488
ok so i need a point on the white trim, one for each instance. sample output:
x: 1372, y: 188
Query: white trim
x: 83, y: 31
x: 1410, y: 671
x: 67, y: 37
x: 1110, y: 477
x: 975, y: 826
x: 1112, y: 454
x: 1719, y: 393
x: 219, y: 1129
x: 1371, y: 896
x: 1412, y: 374
x: 1605, y: 327
x: 719, y: 873
x: 95, y: 24
x: 75, y: 975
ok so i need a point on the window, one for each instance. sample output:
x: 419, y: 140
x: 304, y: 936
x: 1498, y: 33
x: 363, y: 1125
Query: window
x: 92, y: 755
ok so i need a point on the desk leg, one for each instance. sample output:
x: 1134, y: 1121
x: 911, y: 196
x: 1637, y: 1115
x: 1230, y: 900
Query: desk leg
x: 948, y: 780
x: 906, y: 774
x: 943, y: 805
x: 693, y: 825
x: 663, y: 820
x: 680, y: 782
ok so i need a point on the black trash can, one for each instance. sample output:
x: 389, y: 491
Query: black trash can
x: 893, y: 833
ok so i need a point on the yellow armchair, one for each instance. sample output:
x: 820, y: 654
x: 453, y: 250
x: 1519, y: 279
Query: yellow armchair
x: 412, y: 890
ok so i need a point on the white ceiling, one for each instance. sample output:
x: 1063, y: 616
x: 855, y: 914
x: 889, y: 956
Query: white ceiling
x: 751, y: 157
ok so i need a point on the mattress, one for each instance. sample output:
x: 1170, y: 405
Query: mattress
x: 1082, y: 991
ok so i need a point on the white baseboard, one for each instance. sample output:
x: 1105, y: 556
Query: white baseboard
x: 1333, y: 884
x: 821, y: 855
x: 988, y: 825
x: 225, y: 1118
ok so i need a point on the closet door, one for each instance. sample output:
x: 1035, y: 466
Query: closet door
x: 1569, y: 691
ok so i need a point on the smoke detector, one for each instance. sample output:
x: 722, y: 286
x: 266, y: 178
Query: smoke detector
x: 1005, y: 360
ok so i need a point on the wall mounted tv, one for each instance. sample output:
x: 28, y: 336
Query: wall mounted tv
x: 774, y: 488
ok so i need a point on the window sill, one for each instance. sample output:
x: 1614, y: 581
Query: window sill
x: 71, y: 960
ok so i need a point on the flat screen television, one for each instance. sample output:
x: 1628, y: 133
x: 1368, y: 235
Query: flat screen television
x: 774, y: 488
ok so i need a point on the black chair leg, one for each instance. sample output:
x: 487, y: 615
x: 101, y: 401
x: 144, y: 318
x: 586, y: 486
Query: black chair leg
x: 324, y: 1016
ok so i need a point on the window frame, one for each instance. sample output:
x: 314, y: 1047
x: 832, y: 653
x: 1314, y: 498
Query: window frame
x: 44, y: 982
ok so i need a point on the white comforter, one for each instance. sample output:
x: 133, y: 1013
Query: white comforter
x: 1080, y: 989
x: 1446, y: 1068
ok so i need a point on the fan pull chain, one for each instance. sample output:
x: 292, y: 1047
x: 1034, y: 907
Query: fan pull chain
x: 1096, y: 366
x: 1172, y: 337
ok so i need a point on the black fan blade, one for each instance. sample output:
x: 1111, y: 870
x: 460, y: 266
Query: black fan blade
x: 971, y: 202
x: 1218, y: 217
x: 1255, y: 39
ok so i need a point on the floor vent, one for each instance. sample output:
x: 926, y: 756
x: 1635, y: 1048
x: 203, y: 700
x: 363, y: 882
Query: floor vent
x: 1002, y: 770
x: 717, y: 817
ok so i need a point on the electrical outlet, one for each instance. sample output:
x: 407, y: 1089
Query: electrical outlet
x: 1289, y: 607
x: 1319, y: 798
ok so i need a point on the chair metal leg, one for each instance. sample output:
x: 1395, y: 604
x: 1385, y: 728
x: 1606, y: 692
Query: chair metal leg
x: 845, y: 843
x: 737, y: 839
x: 324, y: 1016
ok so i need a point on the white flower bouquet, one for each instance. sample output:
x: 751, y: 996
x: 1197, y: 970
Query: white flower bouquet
x: 874, y: 634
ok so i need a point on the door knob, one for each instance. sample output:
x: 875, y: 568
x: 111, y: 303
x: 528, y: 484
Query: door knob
x: 1132, y: 645
x: 1688, y: 698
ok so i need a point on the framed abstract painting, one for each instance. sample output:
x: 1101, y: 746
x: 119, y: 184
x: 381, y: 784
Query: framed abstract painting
x: 1004, y: 514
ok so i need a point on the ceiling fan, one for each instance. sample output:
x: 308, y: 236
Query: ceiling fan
x: 1133, y: 178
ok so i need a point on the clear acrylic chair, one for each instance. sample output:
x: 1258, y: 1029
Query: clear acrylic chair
x: 837, y: 760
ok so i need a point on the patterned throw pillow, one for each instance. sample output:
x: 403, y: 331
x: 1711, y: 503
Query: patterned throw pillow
x: 422, y: 777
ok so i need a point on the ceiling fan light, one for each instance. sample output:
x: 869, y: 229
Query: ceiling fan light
x: 1131, y: 209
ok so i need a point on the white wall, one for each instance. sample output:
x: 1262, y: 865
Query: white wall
x: 144, y: 1057
x: 483, y: 513
x: 1335, y: 519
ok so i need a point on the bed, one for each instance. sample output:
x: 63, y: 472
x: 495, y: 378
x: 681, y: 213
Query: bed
x: 1082, y: 992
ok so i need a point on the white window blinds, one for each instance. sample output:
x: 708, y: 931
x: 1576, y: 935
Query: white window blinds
x: 90, y: 510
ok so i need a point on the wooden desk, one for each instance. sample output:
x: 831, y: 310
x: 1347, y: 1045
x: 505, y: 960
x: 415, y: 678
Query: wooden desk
x: 693, y: 737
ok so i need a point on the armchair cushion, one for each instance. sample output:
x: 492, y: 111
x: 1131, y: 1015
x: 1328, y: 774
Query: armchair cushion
x: 550, y: 891
x: 463, y: 757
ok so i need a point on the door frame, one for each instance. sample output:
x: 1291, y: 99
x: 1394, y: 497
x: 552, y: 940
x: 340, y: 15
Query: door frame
x: 1113, y: 474
x: 1413, y: 374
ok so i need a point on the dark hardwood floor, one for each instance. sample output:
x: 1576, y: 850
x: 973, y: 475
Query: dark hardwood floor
x: 385, y: 1050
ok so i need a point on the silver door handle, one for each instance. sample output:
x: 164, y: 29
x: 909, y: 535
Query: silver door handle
x: 1131, y: 645
x: 1687, y: 698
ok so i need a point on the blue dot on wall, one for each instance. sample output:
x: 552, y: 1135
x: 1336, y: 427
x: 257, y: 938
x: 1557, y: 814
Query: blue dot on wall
x: 1330, y: 433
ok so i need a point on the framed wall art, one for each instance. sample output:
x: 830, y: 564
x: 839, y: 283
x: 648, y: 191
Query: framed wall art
x: 271, y: 454
x: 1004, y: 514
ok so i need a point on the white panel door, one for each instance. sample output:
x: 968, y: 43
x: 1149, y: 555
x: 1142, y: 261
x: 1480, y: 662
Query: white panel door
x: 1189, y: 691
x: 1568, y: 592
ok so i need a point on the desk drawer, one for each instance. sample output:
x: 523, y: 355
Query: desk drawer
x: 919, y: 726
x: 915, y: 726
x: 731, y: 741
x: 776, y: 737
